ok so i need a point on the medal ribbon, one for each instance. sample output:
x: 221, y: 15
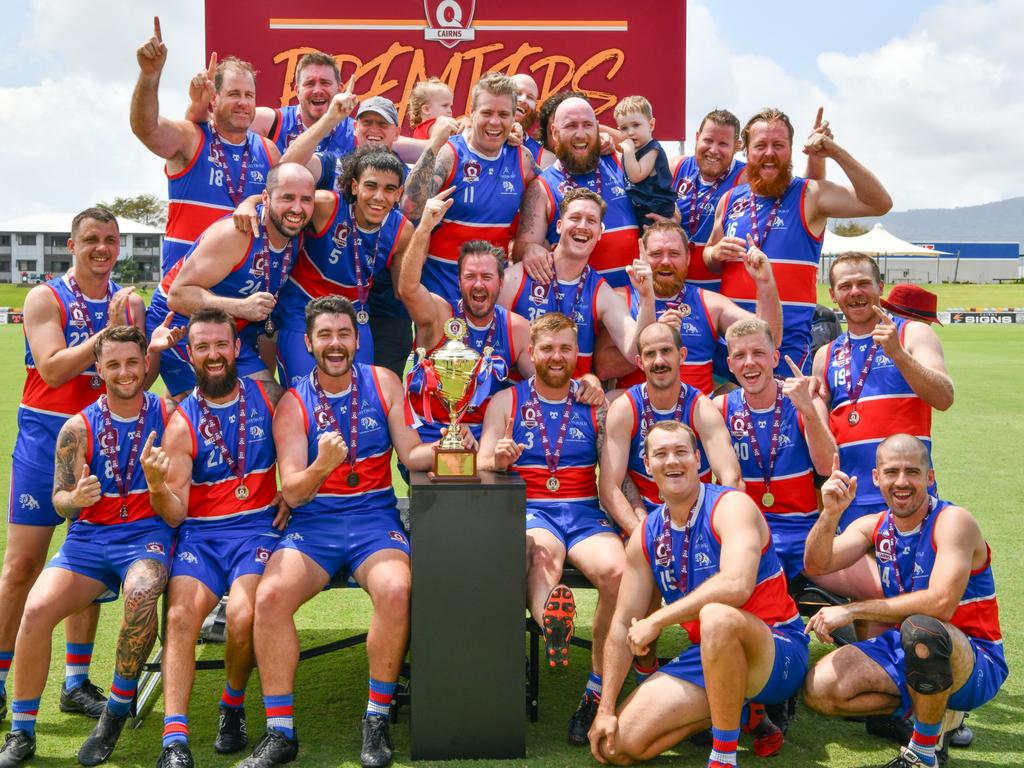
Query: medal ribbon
x: 560, y: 297
x: 664, y: 543
x: 80, y: 301
x: 570, y: 179
x: 423, y: 379
x: 773, y: 442
x: 854, y: 390
x: 353, y: 414
x: 237, y: 467
x: 755, y: 231
x: 363, y: 288
x: 697, y: 203
x: 649, y: 419
x: 890, y: 536
x: 551, y: 458
x: 123, y: 485
x: 286, y: 263
x: 219, y: 157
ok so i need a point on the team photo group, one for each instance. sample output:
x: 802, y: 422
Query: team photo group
x: 650, y: 361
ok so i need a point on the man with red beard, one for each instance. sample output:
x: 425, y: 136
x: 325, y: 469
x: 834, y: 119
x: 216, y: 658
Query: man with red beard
x: 540, y: 430
x: 489, y: 176
x: 481, y: 274
x: 579, y: 165
x: 241, y: 274
x: 348, y: 418
x: 785, y: 217
x: 215, y: 470
x: 700, y: 316
x: 526, y: 116
x: 211, y: 166
x: 577, y: 290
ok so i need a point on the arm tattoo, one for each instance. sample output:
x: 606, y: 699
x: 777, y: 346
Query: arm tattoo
x: 273, y: 390
x: 419, y: 184
x: 632, y: 493
x: 65, y: 478
x: 143, y: 586
x: 602, y: 414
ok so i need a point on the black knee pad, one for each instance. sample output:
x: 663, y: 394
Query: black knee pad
x: 933, y: 674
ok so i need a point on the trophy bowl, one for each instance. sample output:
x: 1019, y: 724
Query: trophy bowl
x: 455, y: 364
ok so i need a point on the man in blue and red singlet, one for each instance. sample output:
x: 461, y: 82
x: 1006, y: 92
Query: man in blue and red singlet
x: 241, y: 274
x: 881, y: 377
x: 701, y: 316
x: 709, y: 552
x: 216, y: 470
x: 337, y: 479
x: 779, y: 432
x: 944, y: 652
x: 61, y: 320
x: 580, y: 164
x: 660, y: 396
x: 578, y: 291
x: 527, y: 96
x: 785, y: 217
x: 114, y: 538
x: 481, y: 268
x: 541, y: 430
x: 488, y: 175
x: 211, y: 166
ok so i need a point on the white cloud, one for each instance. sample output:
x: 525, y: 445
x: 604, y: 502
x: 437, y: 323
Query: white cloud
x: 932, y: 113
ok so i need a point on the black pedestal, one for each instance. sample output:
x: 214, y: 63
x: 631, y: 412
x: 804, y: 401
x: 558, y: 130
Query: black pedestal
x: 468, y: 598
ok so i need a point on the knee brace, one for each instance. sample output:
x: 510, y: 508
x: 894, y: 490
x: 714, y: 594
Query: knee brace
x: 927, y: 648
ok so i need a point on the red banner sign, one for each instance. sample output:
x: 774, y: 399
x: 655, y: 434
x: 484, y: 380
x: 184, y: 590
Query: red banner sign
x: 608, y: 49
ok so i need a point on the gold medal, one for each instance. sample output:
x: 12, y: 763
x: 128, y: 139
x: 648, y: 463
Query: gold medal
x: 553, y: 484
x: 854, y: 418
x: 767, y: 500
x: 242, y: 492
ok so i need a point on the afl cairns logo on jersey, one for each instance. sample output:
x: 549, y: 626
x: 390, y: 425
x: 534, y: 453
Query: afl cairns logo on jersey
x: 208, y: 431
x: 684, y: 188
x: 529, y: 415
x: 323, y: 421
x: 77, y: 315
x: 260, y: 263
x: 448, y: 21
x: 471, y: 172
x: 539, y: 294
x: 340, y: 236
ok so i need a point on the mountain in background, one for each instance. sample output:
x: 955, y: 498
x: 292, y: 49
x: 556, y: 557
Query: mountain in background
x: 993, y: 222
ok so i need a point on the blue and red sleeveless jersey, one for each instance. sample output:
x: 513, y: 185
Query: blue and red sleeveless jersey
x: 373, y: 493
x: 198, y: 194
x: 619, y: 244
x: 977, y: 614
x: 577, y: 464
x: 289, y: 126
x: 769, y: 601
x: 635, y: 468
x: 535, y: 147
x: 487, y: 196
x: 503, y: 346
x: 326, y: 265
x: 107, y: 511
x: 44, y: 409
x: 887, y: 406
x: 793, y: 474
x: 212, y: 504
x: 685, y: 177
x: 535, y: 299
x: 793, y: 251
x: 698, y: 334
x: 247, y: 276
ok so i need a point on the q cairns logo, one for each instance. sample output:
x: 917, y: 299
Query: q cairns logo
x: 448, y: 21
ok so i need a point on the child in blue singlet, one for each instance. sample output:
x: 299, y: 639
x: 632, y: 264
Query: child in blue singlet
x: 644, y: 161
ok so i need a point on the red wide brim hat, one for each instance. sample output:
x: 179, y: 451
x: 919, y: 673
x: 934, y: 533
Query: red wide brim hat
x: 913, y: 302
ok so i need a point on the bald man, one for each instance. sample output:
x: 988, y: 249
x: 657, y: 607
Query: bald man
x: 526, y: 116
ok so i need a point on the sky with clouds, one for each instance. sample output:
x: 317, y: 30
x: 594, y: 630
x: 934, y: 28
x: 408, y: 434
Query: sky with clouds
x: 926, y: 94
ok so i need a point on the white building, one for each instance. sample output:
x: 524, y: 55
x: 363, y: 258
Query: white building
x: 34, y: 246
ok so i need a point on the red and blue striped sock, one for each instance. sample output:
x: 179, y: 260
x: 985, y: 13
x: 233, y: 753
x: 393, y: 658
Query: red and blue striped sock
x: 77, y: 657
x: 280, y: 714
x: 122, y: 691
x: 5, y: 668
x: 723, y: 747
x: 641, y: 673
x: 23, y: 715
x: 379, y: 700
x: 593, y: 686
x: 925, y: 739
x: 175, y: 729
x: 232, y: 698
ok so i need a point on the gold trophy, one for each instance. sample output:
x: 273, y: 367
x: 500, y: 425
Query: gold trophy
x: 455, y: 364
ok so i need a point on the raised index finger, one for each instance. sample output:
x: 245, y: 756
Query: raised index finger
x: 835, y: 462
x: 350, y: 85
x: 444, y: 194
x: 817, y: 119
x: 793, y: 367
x: 156, y: 29
x: 211, y: 71
x: 149, y: 444
x: 882, y: 314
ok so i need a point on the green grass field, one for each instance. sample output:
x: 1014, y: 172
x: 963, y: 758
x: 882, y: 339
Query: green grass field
x: 978, y: 445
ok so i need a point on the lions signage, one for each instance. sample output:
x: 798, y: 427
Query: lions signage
x: 603, y: 48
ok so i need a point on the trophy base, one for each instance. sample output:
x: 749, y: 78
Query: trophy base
x: 454, y: 465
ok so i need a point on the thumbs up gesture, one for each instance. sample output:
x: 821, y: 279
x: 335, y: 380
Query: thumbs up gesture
x: 87, y: 490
